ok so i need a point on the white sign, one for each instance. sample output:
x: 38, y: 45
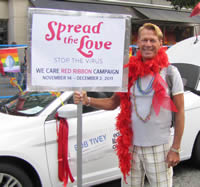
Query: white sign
x: 77, y: 51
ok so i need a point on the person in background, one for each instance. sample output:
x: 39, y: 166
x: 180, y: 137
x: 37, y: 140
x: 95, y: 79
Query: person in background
x: 144, y: 146
x: 24, y: 70
x: 12, y: 74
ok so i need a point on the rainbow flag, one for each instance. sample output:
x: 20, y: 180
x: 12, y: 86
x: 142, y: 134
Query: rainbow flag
x: 10, y: 60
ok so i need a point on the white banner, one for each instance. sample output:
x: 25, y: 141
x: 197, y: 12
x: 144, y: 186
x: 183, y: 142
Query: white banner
x: 73, y: 51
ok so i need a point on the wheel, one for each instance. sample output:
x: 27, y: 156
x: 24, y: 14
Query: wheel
x: 196, y: 152
x: 13, y: 176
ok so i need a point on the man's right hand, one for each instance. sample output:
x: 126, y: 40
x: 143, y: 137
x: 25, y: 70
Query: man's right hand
x: 81, y: 97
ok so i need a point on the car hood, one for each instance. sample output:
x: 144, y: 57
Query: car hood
x: 13, y: 122
x: 7, y: 117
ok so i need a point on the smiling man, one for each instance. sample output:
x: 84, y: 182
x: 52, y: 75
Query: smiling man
x: 144, y: 146
x: 149, y: 42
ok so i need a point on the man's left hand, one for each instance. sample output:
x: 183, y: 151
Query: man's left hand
x: 173, y: 158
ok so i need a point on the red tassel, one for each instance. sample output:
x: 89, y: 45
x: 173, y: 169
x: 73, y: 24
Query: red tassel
x: 64, y: 171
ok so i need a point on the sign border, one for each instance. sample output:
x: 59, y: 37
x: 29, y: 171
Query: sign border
x: 32, y: 11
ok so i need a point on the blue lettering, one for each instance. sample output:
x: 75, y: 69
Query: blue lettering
x: 84, y: 145
x: 97, y: 139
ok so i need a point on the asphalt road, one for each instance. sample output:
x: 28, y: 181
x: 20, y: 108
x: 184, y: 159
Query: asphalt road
x: 185, y: 175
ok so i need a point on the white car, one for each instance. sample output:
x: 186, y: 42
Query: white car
x: 28, y: 137
x: 28, y: 141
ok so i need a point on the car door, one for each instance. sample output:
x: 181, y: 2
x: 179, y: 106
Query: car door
x: 190, y: 74
x: 99, y: 160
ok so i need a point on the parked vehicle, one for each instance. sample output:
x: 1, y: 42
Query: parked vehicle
x: 186, y: 57
x: 28, y: 136
x: 28, y: 141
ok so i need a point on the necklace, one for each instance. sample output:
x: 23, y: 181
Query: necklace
x: 148, y: 89
x: 148, y: 117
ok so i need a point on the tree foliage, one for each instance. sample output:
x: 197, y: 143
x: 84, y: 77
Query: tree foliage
x: 184, y: 3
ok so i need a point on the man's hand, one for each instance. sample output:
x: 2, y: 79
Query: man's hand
x: 81, y: 97
x: 173, y: 158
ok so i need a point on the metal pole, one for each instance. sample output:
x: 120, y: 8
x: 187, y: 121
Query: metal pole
x: 79, y: 144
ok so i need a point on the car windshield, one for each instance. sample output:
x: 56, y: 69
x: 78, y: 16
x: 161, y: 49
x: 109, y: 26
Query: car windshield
x: 190, y: 74
x: 29, y: 104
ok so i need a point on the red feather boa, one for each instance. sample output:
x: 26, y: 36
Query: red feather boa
x: 137, y: 68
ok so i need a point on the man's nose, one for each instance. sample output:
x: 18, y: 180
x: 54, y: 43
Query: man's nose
x: 148, y: 43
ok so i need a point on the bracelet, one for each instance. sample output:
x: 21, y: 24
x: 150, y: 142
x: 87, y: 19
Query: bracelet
x: 89, y: 100
x: 175, y: 150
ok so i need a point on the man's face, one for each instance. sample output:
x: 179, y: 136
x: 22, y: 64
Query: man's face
x: 149, y: 44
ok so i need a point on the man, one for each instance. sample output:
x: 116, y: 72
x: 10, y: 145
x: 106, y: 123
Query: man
x: 144, y: 147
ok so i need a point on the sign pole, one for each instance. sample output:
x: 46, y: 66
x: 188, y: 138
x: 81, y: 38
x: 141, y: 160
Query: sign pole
x: 79, y: 144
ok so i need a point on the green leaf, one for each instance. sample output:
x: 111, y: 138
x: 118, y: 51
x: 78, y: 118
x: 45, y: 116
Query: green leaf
x: 178, y: 4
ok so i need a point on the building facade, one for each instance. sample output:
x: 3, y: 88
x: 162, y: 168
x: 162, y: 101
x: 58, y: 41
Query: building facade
x: 175, y: 24
x: 13, y: 21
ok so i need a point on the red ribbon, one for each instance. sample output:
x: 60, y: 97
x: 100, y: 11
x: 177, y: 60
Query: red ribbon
x: 161, y: 98
x: 64, y: 171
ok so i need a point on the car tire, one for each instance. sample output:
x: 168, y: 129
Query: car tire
x: 196, y: 152
x: 12, y: 175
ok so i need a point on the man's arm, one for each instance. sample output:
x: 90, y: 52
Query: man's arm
x: 179, y: 120
x: 100, y: 103
x: 173, y: 158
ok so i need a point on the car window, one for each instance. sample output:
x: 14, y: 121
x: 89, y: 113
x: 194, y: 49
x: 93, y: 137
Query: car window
x: 190, y: 74
x: 86, y: 109
x: 29, y: 104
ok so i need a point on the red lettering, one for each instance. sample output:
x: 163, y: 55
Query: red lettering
x: 70, y: 40
x: 56, y: 29
x: 90, y: 44
x: 86, y: 28
x: 107, y: 45
x: 50, y: 26
x: 100, y: 45
x: 77, y: 28
x: 90, y: 53
x: 69, y: 28
x: 61, y: 28
x: 76, y: 41
x: 96, y: 28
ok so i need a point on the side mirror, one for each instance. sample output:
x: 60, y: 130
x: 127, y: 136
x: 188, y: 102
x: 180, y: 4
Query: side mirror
x: 67, y: 111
